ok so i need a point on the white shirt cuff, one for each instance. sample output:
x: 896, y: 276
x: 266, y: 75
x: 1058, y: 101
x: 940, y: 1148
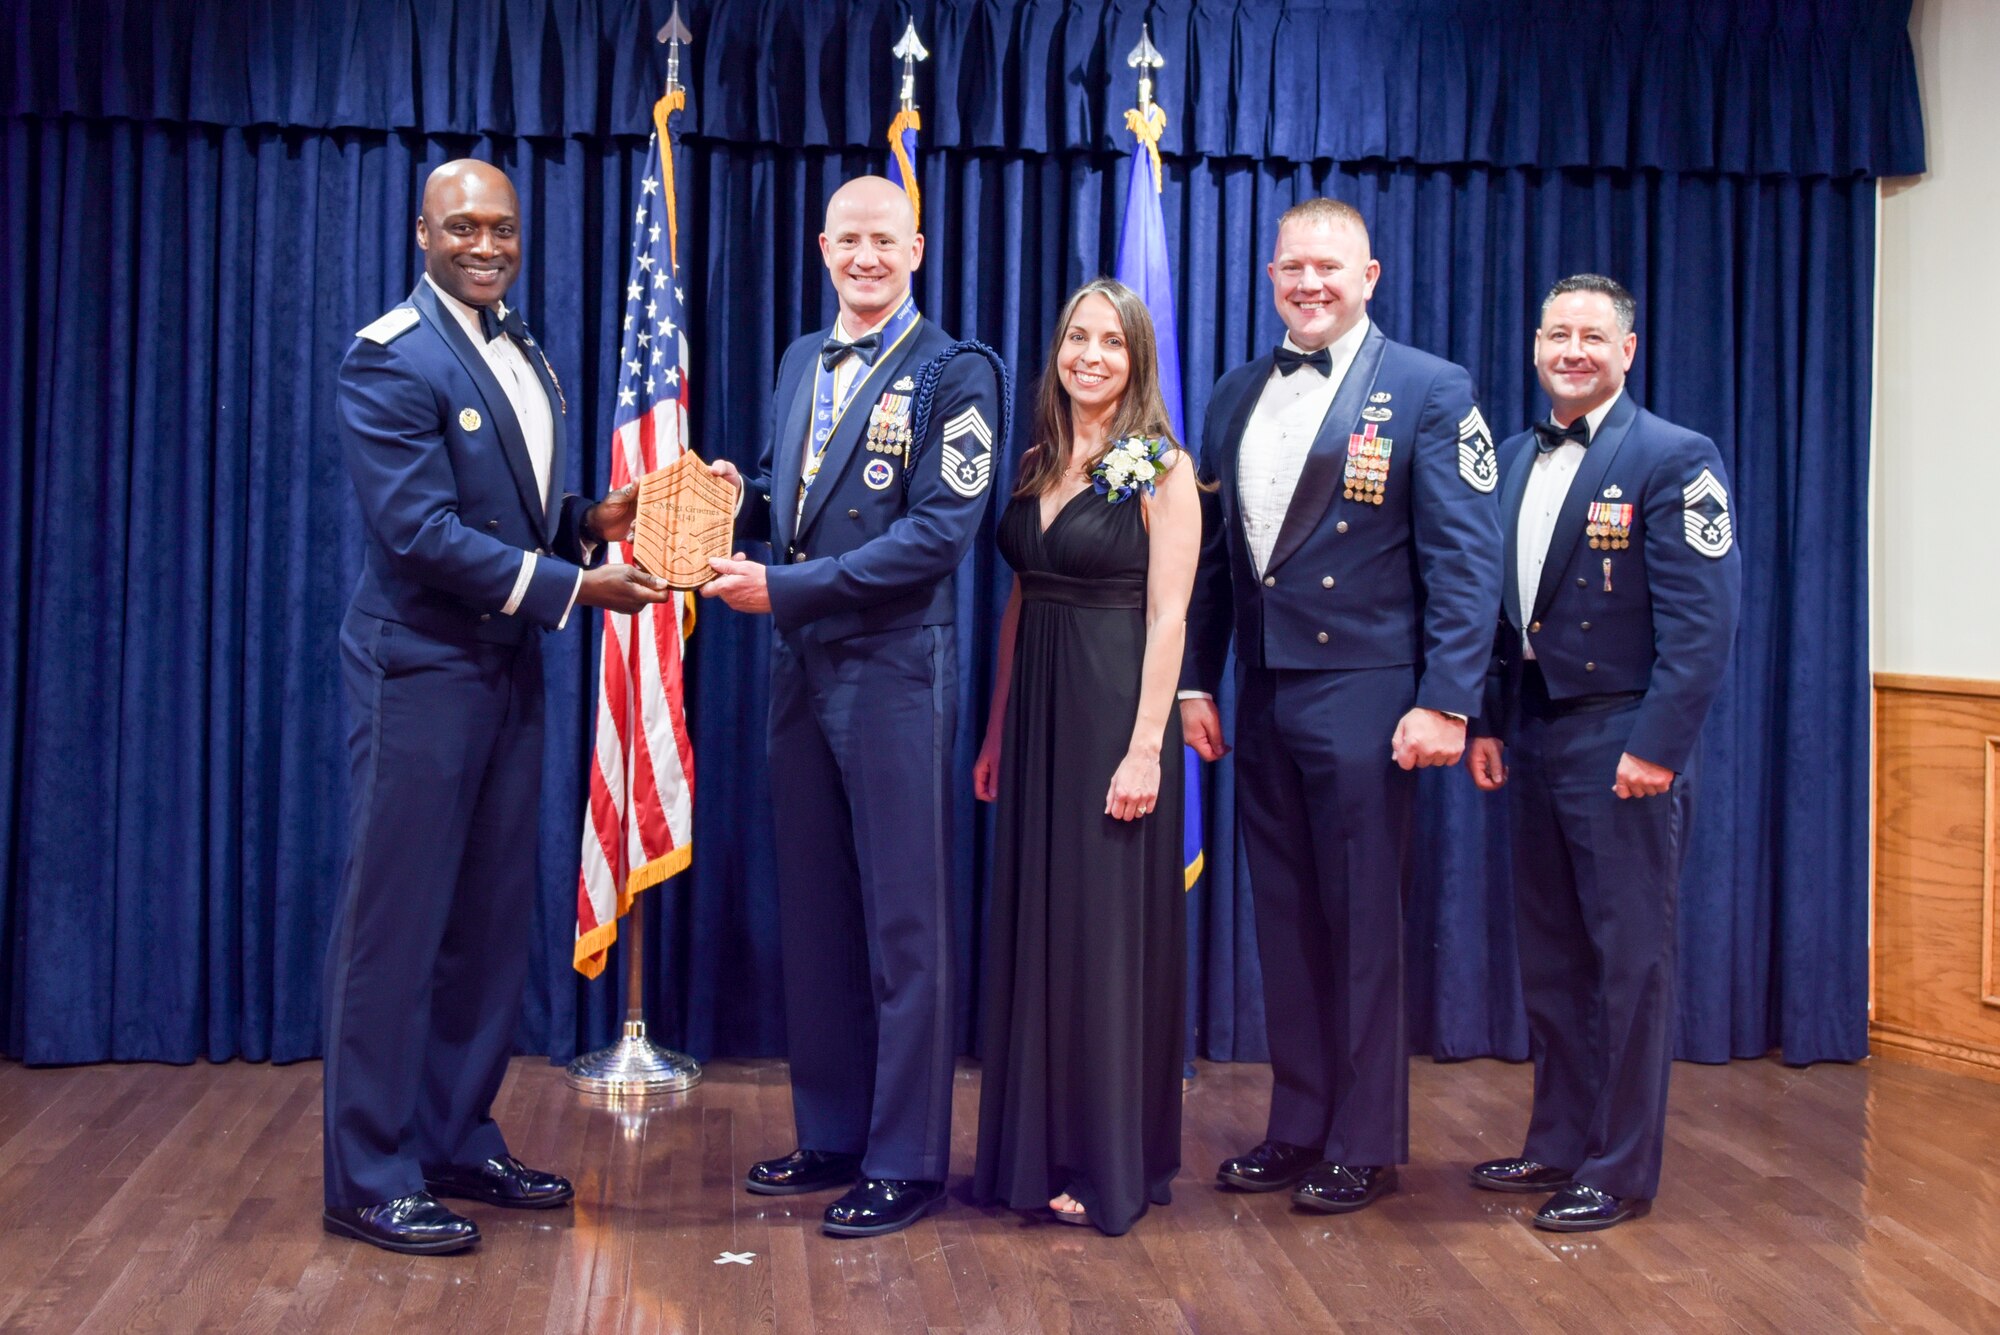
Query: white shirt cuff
x: 1192, y: 695
x: 574, y: 591
x: 521, y: 583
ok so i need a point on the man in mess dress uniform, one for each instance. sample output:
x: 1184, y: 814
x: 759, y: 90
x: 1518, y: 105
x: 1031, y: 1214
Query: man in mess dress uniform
x: 874, y: 474
x: 1621, y: 597
x: 452, y: 424
x: 1353, y: 550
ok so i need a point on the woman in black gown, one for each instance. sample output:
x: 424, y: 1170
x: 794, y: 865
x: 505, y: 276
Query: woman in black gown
x: 1080, y: 1105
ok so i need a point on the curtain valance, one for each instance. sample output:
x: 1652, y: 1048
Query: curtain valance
x: 1752, y: 87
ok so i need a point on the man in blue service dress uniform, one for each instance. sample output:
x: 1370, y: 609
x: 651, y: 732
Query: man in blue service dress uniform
x: 452, y: 425
x: 873, y: 478
x: 1621, y: 597
x: 1354, y: 549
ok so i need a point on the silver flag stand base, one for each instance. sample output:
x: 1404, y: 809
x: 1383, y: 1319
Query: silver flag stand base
x: 634, y: 1065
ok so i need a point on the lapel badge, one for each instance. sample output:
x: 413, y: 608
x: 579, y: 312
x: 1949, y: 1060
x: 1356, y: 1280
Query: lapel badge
x: 1379, y: 396
x: 468, y: 419
x: 1374, y: 414
x: 1613, y: 492
x: 906, y: 384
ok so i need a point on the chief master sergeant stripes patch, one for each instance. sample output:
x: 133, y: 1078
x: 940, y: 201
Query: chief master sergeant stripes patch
x: 967, y: 469
x: 1478, y: 461
x: 1705, y: 510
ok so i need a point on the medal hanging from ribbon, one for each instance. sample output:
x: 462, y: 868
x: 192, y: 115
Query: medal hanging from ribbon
x: 1367, y: 475
x: 827, y: 413
x: 1608, y: 526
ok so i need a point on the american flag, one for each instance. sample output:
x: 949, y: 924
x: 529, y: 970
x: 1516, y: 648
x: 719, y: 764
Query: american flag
x: 636, y: 833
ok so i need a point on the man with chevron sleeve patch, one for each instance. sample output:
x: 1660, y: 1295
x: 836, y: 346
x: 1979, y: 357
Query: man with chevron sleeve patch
x: 1618, y: 611
x: 876, y: 464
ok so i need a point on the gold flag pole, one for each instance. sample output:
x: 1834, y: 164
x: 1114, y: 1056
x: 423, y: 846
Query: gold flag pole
x: 635, y: 1067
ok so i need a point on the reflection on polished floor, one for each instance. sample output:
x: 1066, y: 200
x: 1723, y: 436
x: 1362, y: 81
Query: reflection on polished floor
x: 1829, y: 1199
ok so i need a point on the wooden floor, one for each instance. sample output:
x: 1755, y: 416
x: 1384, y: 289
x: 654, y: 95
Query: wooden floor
x: 1832, y: 1199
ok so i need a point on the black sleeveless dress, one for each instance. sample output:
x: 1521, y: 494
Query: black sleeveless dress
x: 1086, y: 942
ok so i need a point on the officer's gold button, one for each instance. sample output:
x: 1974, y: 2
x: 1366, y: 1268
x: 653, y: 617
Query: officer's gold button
x: 1270, y: 581
x: 1326, y: 583
x: 1322, y: 637
x: 1534, y: 627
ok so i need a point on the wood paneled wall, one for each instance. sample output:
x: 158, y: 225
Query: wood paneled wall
x: 1937, y: 873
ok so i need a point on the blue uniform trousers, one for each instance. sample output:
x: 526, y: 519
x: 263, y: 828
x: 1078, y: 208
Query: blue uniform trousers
x: 1326, y: 819
x: 429, y: 949
x: 861, y: 742
x: 1596, y: 881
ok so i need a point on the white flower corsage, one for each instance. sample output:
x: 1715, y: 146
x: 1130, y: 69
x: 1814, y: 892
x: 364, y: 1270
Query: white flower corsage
x: 1132, y: 465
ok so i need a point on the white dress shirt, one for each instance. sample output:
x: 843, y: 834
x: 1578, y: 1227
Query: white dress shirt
x: 531, y: 409
x: 1541, y: 501
x: 1276, y: 440
x: 1280, y: 435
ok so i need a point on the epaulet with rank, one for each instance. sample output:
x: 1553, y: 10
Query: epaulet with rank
x: 391, y: 326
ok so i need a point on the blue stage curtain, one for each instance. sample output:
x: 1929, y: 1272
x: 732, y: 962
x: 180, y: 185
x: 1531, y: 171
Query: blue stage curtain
x: 1791, y: 87
x: 181, y: 539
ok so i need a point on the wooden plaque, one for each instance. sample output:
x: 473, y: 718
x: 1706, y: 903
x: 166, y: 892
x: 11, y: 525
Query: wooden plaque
x: 686, y: 515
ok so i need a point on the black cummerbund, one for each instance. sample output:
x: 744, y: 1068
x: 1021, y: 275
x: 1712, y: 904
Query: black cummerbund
x: 1039, y: 586
x: 1535, y: 701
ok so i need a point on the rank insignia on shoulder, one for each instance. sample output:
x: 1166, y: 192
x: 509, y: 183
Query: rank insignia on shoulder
x: 468, y: 418
x: 1478, y: 461
x: 388, y: 328
x: 966, y: 453
x: 1705, y: 511
x: 1613, y: 492
x: 906, y: 384
x: 1379, y: 396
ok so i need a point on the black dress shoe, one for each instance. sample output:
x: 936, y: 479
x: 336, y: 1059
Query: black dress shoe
x: 802, y: 1171
x: 414, y: 1223
x: 1335, y: 1188
x: 503, y: 1181
x: 1519, y: 1175
x: 1580, y: 1209
x: 1272, y: 1166
x: 881, y: 1205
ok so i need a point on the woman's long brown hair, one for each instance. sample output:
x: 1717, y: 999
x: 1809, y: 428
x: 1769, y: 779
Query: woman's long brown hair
x: 1141, y: 412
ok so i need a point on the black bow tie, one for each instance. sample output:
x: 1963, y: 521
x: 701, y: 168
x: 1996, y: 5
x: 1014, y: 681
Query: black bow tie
x: 1549, y: 436
x: 1289, y: 361
x: 492, y: 325
x: 866, y: 347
